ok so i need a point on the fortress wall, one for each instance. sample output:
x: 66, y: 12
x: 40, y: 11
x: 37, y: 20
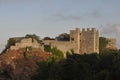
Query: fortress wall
x: 14, y: 48
x: 21, y: 45
x: 64, y: 46
x: 111, y: 43
x: 35, y: 45
x: 26, y: 42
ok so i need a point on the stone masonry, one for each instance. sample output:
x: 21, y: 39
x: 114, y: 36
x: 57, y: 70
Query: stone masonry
x: 25, y: 42
x: 85, y: 41
x: 111, y: 43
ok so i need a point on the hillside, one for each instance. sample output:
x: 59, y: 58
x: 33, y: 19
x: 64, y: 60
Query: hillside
x: 19, y: 64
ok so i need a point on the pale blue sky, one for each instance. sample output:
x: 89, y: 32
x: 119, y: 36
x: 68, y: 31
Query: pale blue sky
x: 52, y: 17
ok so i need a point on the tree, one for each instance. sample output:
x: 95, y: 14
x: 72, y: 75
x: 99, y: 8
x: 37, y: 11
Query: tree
x: 47, y: 48
x: 33, y: 36
x: 63, y: 37
x: 48, y: 38
x: 11, y: 41
x: 102, y: 44
x: 57, y: 52
x: 82, y: 67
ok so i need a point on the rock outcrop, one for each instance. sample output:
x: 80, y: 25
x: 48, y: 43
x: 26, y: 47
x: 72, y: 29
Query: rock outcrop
x: 20, y: 64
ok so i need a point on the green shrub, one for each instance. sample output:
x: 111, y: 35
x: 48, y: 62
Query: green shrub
x: 57, y: 52
x: 47, y: 48
x: 102, y: 44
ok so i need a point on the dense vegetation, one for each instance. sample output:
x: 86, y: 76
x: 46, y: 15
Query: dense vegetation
x: 102, y: 44
x: 104, y: 66
x: 48, y: 38
x: 33, y: 36
x: 56, y: 52
x: 63, y: 37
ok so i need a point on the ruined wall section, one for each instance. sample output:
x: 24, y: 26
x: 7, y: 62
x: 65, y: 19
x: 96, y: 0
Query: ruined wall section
x: 111, y: 43
x: 26, y: 42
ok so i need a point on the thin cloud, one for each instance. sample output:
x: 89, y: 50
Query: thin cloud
x: 66, y: 17
x: 61, y: 16
x: 111, y: 29
x: 94, y: 13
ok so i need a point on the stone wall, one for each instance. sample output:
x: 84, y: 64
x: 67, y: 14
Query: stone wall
x: 111, y: 43
x: 64, y: 46
x: 85, y: 41
x: 25, y: 42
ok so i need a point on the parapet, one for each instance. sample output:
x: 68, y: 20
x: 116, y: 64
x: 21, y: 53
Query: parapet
x: 83, y: 29
x: 74, y: 31
x: 93, y: 29
x: 77, y: 29
x: 88, y: 29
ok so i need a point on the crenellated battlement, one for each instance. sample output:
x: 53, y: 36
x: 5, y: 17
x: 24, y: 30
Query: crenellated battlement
x: 84, y: 29
x: 88, y: 29
x: 77, y: 29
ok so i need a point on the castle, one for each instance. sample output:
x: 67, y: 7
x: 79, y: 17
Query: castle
x: 85, y: 41
x: 81, y: 41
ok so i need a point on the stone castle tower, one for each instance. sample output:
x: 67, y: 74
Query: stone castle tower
x: 85, y: 41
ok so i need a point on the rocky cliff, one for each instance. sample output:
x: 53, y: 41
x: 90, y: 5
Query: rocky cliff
x: 20, y: 64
